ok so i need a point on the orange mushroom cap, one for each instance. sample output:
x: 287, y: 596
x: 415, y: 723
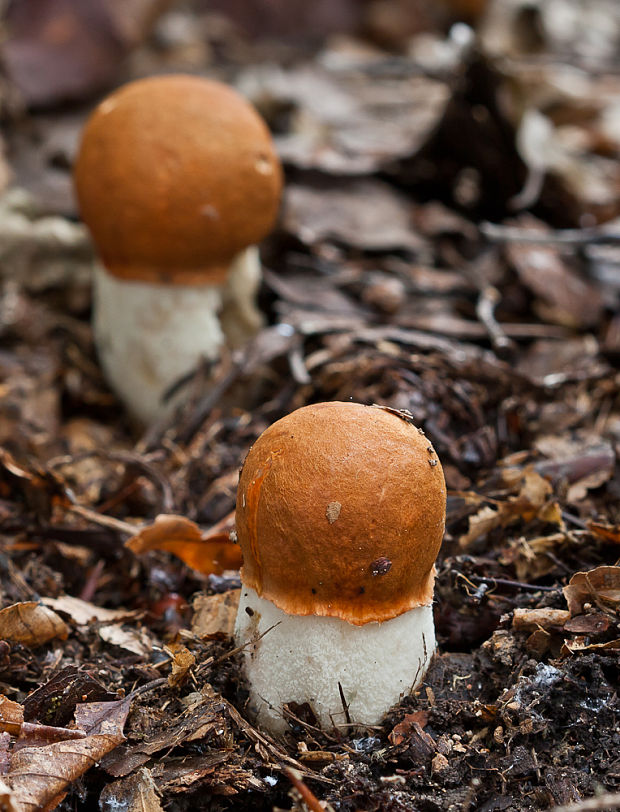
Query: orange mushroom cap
x: 341, y: 512
x: 176, y: 175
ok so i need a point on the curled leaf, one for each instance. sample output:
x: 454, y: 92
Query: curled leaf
x: 600, y: 586
x: 38, y: 775
x: 212, y: 552
x: 31, y: 623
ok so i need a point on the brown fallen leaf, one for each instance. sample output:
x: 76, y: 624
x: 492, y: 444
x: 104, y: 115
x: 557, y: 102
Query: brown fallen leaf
x: 136, y: 793
x: 182, y: 661
x: 411, y: 724
x: 533, y: 501
x: 31, y: 734
x: 11, y: 716
x: 609, y: 532
x: 135, y: 640
x: 31, y: 623
x: 82, y: 612
x: 563, y: 296
x: 215, y: 614
x: 208, y: 553
x: 582, y: 644
x: 39, y: 775
x: 594, y: 623
x: 600, y: 586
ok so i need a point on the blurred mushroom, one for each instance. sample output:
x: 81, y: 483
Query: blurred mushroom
x: 340, y: 516
x: 177, y: 180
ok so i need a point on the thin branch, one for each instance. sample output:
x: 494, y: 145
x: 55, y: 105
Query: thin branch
x: 609, y: 800
x: 307, y: 796
x: 568, y: 236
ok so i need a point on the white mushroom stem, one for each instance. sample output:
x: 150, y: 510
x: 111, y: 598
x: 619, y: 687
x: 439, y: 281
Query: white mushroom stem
x: 305, y: 659
x: 149, y: 336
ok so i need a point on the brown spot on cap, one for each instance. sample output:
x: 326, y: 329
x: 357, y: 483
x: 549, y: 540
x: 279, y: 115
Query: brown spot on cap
x: 333, y: 511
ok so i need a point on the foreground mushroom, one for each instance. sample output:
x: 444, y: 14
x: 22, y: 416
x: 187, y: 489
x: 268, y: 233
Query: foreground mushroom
x: 340, y: 516
x: 177, y: 180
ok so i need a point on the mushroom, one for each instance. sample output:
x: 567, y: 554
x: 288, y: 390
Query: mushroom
x: 177, y: 180
x: 340, y: 516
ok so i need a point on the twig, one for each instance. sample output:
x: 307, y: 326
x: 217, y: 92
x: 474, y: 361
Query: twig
x: 609, y: 800
x: 90, y: 585
x: 479, y: 579
x: 150, y: 686
x: 485, y: 310
x: 105, y: 521
x: 567, y: 236
x: 345, y: 707
x: 307, y: 796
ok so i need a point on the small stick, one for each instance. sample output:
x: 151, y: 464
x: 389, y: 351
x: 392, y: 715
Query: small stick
x: 479, y: 579
x: 308, y: 797
x: 609, y: 800
x: 567, y: 236
x: 485, y: 310
x: 345, y: 707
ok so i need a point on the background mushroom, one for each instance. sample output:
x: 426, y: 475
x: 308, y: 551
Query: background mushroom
x: 340, y: 516
x: 177, y: 180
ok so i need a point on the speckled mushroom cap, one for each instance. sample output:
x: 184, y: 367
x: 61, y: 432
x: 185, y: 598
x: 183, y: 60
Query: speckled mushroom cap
x: 340, y: 512
x: 175, y: 175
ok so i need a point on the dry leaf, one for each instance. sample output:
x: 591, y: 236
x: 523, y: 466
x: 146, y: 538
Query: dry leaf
x: 11, y: 716
x: 136, y: 793
x: 182, y: 661
x: 609, y: 532
x: 82, y: 612
x: 31, y: 624
x: 135, y: 640
x: 563, y: 296
x: 215, y: 614
x: 532, y: 502
x: 38, y: 775
x: 600, y: 586
x: 582, y: 644
x: 594, y: 623
x: 411, y: 723
x: 208, y: 553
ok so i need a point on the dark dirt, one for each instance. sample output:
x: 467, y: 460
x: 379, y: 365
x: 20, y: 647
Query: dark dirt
x: 383, y: 283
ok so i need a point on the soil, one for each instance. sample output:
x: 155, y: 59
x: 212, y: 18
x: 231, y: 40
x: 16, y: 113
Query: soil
x: 424, y: 261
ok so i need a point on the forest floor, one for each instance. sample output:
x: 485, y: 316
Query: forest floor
x: 446, y: 245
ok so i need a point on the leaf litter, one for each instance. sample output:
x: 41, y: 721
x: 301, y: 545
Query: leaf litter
x: 447, y: 248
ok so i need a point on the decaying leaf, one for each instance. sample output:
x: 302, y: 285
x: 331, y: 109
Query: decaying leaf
x: 215, y: 614
x: 208, y: 553
x: 11, y: 716
x: 600, y: 587
x: 366, y: 214
x: 136, y: 793
x: 135, y: 640
x: 109, y: 629
x: 38, y: 775
x: 609, y: 532
x: 182, y: 661
x: 31, y: 624
x: 564, y: 296
x: 533, y: 501
x: 83, y: 612
x: 412, y: 721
